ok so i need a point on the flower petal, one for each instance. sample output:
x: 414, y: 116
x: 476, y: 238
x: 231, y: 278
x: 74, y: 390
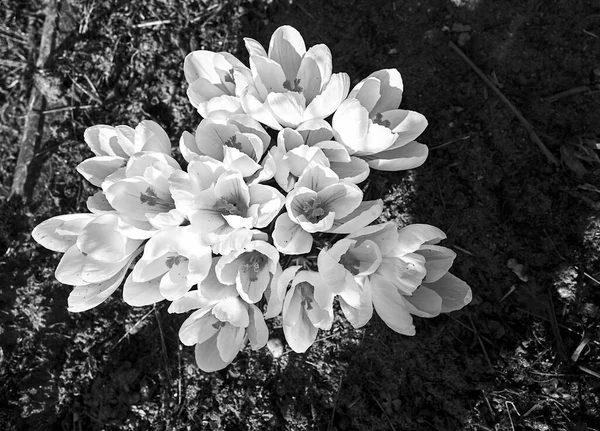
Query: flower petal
x: 139, y: 294
x: 412, y: 237
x: 289, y: 237
x: 60, y: 232
x: 287, y: 48
x: 96, y: 169
x: 390, y: 306
x: 325, y: 104
x: 409, y: 156
x: 454, y: 292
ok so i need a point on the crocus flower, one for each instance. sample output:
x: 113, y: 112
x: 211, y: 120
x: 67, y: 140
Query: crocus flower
x: 251, y: 269
x: 296, y: 150
x: 369, y: 124
x: 140, y: 193
x: 95, y: 262
x: 320, y: 202
x: 174, y: 260
x: 303, y: 316
x: 219, y: 332
x: 113, y: 146
x: 231, y: 204
x: 292, y: 85
x: 398, y: 287
x: 216, y: 82
x: 238, y: 141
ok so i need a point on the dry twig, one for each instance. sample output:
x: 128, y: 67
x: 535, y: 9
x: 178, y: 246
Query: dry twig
x: 534, y: 137
x: 32, y: 134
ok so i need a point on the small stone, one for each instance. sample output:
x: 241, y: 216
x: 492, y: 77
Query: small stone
x: 275, y: 347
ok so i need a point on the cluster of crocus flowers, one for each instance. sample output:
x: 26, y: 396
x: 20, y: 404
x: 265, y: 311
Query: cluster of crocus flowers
x: 266, y: 218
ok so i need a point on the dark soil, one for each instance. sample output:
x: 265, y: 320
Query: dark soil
x: 523, y: 356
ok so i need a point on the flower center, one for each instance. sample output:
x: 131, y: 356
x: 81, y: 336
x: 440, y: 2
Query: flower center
x: 295, y: 86
x: 227, y: 207
x: 351, y: 263
x: 233, y: 143
x: 379, y: 120
x: 254, y: 264
x: 312, y: 210
x: 307, y: 292
x: 174, y: 261
x: 150, y: 198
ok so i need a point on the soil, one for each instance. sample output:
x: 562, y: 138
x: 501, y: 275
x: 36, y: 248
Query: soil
x: 524, y: 355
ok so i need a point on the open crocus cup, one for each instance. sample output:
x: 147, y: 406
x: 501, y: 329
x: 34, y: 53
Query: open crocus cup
x: 369, y: 124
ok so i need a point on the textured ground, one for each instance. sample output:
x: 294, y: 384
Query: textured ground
x: 523, y: 356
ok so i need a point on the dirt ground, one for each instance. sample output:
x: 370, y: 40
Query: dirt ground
x: 525, y: 355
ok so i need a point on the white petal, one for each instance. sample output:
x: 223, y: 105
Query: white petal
x: 391, y: 89
x: 454, y: 292
x: 139, y: 294
x: 350, y: 124
x: 85, y: 297
x: 424, y: 302
x: 287, y: 48
x: 254, y: 47
x: 287, y: 108
x: 149, y: 136
x: 198, y: 327
x: 60, y: 232
x: 289, y: 237
x: 409, y: 156
x: 208, y: 357
x: 96, y: 169
x: 232, y: 310
x: 365, y: 213
x: 390, y: 306
x: 229, y: 342
x: 324, y: 104
x: 412, y: 237
x: 258, y: 333
x: 438, y: 261
x: 302, y: 335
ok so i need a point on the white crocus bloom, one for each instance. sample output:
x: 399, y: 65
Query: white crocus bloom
x: 113, y: 146
x: 320, y: 202
x: 251, y: 269
x: 95, y: 262
x: 303, y: 316
x: 141, y: 194
x: 174, y: 260
x: 341, y: 264
x: 398, y: 288
x: 292, y: 85
x: 372, y: 127
x: 220, y: 330
x: 230, y: 206
x: 216, y: 82
x: 297, y: 149
x: 238, y: 141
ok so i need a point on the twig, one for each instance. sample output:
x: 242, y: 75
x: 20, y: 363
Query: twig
x: 532, y: 135
x: 67, y: 108
x: 589, y: 33
x: 445, y: 144
x: 463, y: 250
x: 485, y: 353
x: 382, y: 409
x: 153, y: 23
x: 590, y: 372
x: 21, y: 187
x: 567, y: 93
x: 162, y: 343
x: 337, y: 396
x: 560, y: 324
x: 131, y: 329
